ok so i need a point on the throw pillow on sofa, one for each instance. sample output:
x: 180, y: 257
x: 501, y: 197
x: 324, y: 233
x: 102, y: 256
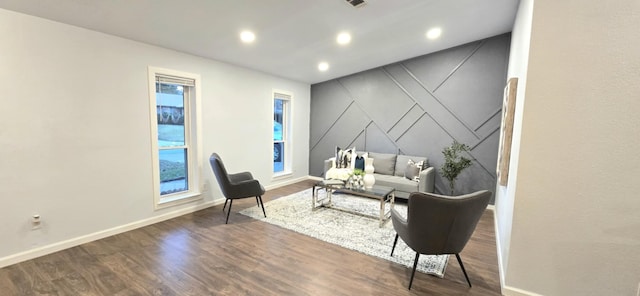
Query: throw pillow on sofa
x: 359, y: 164
x: 412, y: 171
x: 345, y: 158
x: 403, y: 160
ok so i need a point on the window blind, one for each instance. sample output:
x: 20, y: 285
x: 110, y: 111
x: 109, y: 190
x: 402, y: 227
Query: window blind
x: 282, y: 96
x: 168, y: 79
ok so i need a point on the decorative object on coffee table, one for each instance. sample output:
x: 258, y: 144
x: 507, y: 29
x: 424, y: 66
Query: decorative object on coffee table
x: 369, y: 179
x: 355, y: 180
x: 454, y: 163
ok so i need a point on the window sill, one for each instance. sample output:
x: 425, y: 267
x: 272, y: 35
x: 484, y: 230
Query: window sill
x: 281, y: 175
x: 178, y: 199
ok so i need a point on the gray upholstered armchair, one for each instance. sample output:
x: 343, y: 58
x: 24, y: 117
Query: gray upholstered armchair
x: 236, y: 186
x: 439, y: 224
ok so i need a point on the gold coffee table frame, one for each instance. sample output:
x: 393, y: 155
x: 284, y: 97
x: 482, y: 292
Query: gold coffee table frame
x: 384, y: 194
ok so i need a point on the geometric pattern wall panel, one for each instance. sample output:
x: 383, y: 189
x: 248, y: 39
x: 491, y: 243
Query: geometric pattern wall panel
x: 368, y: 87
x: 378, y: 141
x: 491, y: 62
x: 418, y: 107
x: 327, y: 110
x: 434, y: 107
x: 343, y: 133
x: 484, y: 152
x: 405, y: 122
x: 433, y: 69
x: 423, y: 139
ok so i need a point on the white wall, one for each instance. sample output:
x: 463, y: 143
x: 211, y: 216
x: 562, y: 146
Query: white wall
x: 518, y: 63
x: 75, y: 137
x: 576, y: 222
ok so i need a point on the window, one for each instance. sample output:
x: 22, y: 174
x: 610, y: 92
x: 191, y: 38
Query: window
x: 281, y: 110
x: 175, y: 142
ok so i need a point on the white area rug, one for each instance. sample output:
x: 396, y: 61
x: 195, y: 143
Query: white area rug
x: 351, y: 231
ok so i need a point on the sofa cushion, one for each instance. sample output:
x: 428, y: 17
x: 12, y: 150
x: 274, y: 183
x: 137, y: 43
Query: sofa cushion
x: 403, y: 160
x: 383, y: 163
x: 399, y: 183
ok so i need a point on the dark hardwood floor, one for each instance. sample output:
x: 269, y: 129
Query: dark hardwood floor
x: 197, y: 254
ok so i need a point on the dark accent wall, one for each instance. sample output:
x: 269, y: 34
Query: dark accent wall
x: 418, y: 107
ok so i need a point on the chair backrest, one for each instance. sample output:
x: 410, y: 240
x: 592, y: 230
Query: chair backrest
x: 440, y: 224
x: 221, y: 173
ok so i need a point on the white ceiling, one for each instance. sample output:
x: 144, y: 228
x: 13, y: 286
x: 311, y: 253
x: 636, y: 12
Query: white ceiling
x: 292, y: 36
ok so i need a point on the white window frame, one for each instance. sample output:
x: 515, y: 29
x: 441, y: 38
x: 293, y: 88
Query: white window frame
x: 193, y: 141
x: 286, y: 130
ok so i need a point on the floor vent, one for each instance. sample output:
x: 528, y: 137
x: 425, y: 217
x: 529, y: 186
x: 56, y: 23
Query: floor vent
x: 356, y: 3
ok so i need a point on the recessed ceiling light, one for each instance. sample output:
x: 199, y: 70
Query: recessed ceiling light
x: 247, y: 36
x: 323, y: 66
x: 343, y: 38
x: 434, y: 33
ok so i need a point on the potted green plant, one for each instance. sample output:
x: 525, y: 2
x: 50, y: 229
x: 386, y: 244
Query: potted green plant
x: 454, y: 163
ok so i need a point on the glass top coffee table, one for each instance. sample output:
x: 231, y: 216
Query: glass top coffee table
x: 384, y: 194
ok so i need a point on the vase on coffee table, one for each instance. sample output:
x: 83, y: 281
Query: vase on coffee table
x: 355, y: 182
x: 369, y: 179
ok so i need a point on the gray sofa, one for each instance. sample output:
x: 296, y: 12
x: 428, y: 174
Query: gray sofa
x: 389, y: 170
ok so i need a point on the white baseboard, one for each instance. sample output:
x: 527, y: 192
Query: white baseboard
x: 511, y: 291
x: 498, y: 251
x: 506, y: 290
x: 59, y: 246
x: 55, y: 247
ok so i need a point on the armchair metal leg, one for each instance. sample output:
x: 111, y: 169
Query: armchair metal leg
x: 463, y: 271
x: 261, y: 203
x: 229, y: 211
x: 225, y: 204
x: 257, y: 201
x: 395, y: 241
x: 415, y: 264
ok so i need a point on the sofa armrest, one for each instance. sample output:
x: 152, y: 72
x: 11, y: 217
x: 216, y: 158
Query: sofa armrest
x: 427, y: 180
x: 328, y: 163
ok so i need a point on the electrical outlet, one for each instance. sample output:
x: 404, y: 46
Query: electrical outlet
x: 36, y: 222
